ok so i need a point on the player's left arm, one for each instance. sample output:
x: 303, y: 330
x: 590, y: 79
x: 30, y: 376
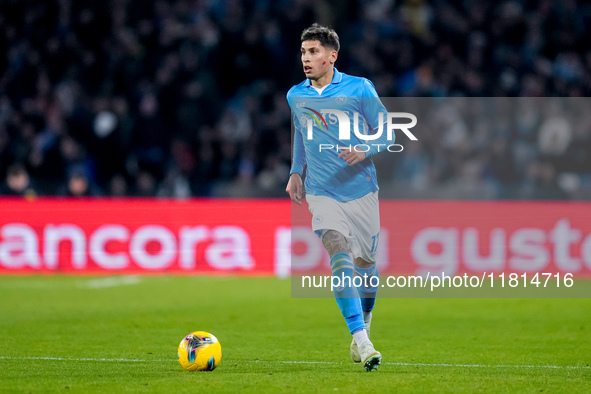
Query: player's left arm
x: 351, y: 156
x: 370, y: 107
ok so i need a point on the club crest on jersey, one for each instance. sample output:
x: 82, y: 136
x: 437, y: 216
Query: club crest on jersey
x: 341, y: 100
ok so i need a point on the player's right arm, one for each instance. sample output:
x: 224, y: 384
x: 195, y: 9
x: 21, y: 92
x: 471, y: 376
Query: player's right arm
x: 295, y: 185
x: 295, y: 188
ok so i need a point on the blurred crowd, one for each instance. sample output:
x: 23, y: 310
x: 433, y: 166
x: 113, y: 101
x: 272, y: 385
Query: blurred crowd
x: 186, y: 98
x: 482, y: 148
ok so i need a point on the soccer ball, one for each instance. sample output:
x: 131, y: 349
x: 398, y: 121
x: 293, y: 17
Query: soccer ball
x: 200, y: 351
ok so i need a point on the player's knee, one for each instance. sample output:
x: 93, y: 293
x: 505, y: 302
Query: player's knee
x: 334, y: 242
x: 361, y: 263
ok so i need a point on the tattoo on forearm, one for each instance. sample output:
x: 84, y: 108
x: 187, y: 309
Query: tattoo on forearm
x: 334, y: 242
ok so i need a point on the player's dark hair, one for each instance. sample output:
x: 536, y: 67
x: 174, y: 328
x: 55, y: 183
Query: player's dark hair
x: 328, y: 37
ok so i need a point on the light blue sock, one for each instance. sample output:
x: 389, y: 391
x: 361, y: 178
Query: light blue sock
x: 346, y: 296
x: 368, y: 293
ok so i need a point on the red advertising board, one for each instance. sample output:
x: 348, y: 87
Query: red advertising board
x: 94, y: 236
x: 257, y: 236
x: 471, y: 237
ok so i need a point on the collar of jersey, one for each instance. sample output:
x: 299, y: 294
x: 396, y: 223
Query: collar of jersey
x: 336, y: 78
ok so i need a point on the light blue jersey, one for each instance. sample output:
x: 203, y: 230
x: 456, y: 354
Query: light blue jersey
x: 327, y: 175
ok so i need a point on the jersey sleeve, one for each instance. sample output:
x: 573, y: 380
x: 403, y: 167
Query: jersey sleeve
x: 371, y: 107
x: 299, y: 153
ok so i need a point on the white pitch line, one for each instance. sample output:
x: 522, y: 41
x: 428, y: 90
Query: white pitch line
x: 493, y: 366
x: 112, y: 281
x: 137, y: 360
x: 133, y: 360
x: 441, y: 364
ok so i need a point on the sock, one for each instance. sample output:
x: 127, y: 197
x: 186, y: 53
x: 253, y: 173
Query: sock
x: 346, y: 295
x: 367, y: 318
x: 368, y: 294
x: 360, y: 337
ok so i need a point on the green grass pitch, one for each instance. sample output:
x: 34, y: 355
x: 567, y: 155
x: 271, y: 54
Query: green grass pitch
x: 73, y: 334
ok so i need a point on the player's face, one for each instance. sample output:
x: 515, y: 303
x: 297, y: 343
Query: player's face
x: 316, y: 59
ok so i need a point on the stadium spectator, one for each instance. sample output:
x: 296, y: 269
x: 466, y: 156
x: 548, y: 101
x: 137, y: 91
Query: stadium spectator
x: 79, y: 184
x: 111, y: 86
x: 18, y: 182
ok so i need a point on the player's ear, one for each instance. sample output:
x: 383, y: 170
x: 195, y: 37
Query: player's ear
x: 333, y: 56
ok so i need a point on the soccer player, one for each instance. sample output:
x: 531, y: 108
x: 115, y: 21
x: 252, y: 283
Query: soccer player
x: 341, y: 185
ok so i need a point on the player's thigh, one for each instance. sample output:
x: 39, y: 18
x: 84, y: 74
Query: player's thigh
x: 327, y: 214
x: 364, y: 217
